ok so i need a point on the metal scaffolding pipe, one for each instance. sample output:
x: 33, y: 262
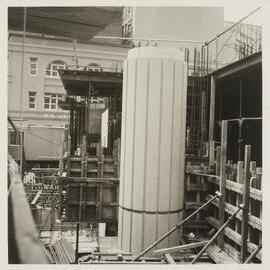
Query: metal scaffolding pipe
x: 253, y: 254
x: 151, y: 39
x: 177, y: 226
x: 217, y: 234
x: 229, y: 28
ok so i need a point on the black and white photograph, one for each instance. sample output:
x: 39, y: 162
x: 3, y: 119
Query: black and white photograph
x: 134, y: 133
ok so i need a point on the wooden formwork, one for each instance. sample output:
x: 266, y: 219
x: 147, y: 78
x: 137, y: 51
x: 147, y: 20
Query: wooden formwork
x: 89, y: 185
x: 86, y: 199
x: 239, y: 182
x: 196, y: 189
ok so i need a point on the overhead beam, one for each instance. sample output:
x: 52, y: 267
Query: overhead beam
x: 91, y: 76
x: 250, y: 62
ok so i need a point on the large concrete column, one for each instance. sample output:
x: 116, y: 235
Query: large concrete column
x: 153, y: 147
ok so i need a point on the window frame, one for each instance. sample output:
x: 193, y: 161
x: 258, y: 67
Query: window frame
x: 56, y: 97
x: 32, y: 94
x: 53, y: 67
x: 94, y: 67
x: 36, y: 66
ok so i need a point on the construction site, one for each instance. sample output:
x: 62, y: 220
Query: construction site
x: 134, y: 136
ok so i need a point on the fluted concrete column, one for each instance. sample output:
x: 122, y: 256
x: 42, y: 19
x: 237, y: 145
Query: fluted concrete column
x: 152, y: 147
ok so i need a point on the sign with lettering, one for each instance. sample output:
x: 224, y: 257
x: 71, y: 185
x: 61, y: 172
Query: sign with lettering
x: 41, y: 187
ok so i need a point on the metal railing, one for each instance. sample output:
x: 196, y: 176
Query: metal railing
x: 237, y: 41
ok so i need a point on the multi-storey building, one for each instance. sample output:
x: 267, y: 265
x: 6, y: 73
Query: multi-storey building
x: 35, y: 88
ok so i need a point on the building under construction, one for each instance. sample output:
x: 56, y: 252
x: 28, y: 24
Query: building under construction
x: 158, y: 160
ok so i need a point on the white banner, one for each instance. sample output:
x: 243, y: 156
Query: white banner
x: 104, y: 128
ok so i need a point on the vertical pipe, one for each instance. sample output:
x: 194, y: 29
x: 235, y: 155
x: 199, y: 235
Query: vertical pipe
x: 203, y: 102
x: 71, y: 126
x: 196, y: 98
x: 207, y: 88
x: 244, y: 230
x: 61, y: 162
x: 21, y: 92
x: 200, y: 93
x: 77, y: 243
x: 76, y: 126
x: 204, y: 89
x: 52, y: 216
x: 222, y: 183
x: 216, y: 52
x: 207, y: 61
x: 218, y: 159
x: 252, y: 39
x: 240, y: 139
x: 212, y: 108
x: 192, y: 96
x: 255, y: 39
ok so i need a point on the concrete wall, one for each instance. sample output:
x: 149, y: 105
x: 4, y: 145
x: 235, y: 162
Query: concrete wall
x: 43, y: 142
x: 192, y: 23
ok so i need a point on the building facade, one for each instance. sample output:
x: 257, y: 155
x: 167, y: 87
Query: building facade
x: 38, y: 80
x: 35, y: 88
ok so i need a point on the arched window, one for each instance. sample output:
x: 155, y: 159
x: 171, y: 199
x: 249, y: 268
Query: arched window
x: 51, y: 70
x: 93, y: 67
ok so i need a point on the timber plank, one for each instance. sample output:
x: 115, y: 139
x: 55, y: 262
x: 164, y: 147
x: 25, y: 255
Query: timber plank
x: 180, y: 248
x: 219, y: 256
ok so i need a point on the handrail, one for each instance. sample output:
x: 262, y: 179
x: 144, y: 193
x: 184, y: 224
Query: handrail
x: 151, y: 39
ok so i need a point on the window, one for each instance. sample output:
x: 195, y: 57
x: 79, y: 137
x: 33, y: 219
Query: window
x: 80, y: 99
x: 129, y: 28
x: 51, y: 101
x: 94, y: 67
x: 119, y: 67
x: 52, y: 68
x: 32, y: 100
x: 33, y: 66
x: 97, y: 100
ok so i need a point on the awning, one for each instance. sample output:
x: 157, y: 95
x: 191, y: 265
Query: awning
x: 81, y: 23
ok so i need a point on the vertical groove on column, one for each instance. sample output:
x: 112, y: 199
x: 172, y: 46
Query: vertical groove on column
x: 159, y: 139
x: 133, y: 152
x: 171, y: 158
x: 124, y: 152
x: 145, y: 151
x: 182, y: 126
